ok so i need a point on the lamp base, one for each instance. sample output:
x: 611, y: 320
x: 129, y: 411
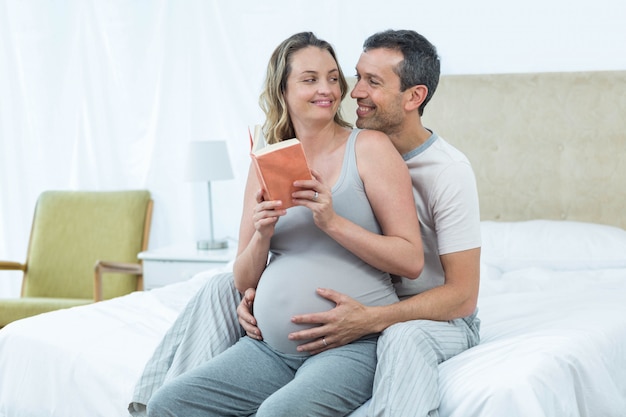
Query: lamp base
x: 211, y: 244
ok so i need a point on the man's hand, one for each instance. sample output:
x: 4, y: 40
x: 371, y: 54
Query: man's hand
x: 343, y: 324
x: 244, y: 313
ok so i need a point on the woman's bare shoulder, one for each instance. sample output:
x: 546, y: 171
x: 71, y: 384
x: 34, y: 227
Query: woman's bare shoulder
x: 374, y: 140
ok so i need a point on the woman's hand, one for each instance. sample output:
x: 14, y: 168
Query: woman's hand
x: 265, y: 215
x: 318, y: 198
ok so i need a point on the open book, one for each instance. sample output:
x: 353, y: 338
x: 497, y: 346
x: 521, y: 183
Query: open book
x: 278, y: 165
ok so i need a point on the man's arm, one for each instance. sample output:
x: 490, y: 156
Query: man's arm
x: 350, y: 320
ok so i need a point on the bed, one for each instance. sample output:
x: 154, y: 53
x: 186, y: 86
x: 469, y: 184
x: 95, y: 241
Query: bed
x: 549, y: 153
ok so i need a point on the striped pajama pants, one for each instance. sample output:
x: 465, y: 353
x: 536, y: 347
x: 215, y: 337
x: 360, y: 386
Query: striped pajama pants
x: 406, y: 381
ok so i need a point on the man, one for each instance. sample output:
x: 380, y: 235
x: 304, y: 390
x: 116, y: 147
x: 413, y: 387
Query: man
x: 398, y: 73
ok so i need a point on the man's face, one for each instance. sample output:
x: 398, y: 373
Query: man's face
x: 377, y: 91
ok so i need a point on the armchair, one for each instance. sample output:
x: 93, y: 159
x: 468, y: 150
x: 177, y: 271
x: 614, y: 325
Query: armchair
x: 77, y: 237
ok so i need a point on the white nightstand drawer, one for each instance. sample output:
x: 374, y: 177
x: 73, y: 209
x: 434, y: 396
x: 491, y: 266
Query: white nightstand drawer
x: 172, y: 264
x: 160, y: 273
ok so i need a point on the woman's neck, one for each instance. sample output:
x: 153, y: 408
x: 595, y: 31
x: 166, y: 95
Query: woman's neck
x: 320, y: 139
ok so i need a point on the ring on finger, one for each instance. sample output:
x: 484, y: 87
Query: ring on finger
x: 316, y: 195
x: 324, y: 341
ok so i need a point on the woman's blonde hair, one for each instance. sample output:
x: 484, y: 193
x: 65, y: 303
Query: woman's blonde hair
x: 278, y: 126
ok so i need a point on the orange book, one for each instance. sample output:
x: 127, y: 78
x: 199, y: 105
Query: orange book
x: 278, y: 165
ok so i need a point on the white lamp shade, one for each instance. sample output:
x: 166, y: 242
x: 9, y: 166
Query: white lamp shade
x: 208, y: 161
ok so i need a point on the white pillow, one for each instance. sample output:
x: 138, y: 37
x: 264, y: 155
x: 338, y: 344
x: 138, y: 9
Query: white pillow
x: 553, y: 244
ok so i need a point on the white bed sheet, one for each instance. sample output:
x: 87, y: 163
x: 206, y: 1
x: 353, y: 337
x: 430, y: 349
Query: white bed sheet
x: 553, y: 344
x: 84, y: 362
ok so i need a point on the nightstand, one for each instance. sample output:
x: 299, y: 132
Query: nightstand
x: 177, y: 263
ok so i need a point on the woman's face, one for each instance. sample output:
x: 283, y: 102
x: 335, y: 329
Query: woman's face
x: 313, y: 93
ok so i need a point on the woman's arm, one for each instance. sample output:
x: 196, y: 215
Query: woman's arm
x: 390, y: 192
x: 255, y: 231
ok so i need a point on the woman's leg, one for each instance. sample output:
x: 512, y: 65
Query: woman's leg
x: 233, y: 383
x: 332, y: 383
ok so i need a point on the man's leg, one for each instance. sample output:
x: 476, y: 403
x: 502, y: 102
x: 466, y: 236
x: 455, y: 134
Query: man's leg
x: 407, y: 376
x: 207, y: 326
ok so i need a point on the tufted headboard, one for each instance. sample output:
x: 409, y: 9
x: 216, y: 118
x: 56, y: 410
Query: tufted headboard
x: 543, y: 145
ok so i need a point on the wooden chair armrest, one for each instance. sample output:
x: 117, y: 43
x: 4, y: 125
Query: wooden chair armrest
x: 12, y: 266
x: 102, y: 267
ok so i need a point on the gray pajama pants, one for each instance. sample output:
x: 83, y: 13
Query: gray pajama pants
x: 406, y: 380
x: 251, y: 377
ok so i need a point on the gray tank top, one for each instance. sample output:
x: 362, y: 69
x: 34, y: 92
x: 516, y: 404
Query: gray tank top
x: 304, y: 258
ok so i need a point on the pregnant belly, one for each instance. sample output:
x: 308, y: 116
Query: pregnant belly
x: 288, y: 288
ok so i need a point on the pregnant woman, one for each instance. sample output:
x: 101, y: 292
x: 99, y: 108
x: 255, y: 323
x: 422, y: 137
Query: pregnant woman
x: 351, y: 226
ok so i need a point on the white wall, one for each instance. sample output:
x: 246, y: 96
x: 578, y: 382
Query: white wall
x: 105, y: 95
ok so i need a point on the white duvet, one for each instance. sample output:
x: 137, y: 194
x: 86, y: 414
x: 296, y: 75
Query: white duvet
x: 553, y: 344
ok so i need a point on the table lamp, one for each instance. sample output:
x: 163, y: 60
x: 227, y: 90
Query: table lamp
x: 208, y: 161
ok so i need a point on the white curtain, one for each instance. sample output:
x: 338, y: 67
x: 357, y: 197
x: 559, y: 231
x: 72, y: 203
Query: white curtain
x: 101, y: 95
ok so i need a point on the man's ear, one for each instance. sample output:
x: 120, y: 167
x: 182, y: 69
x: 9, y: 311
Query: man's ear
x: 415, y: 96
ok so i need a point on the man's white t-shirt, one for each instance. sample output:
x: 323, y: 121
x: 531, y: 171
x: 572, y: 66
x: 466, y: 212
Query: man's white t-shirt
x: 446, y: 197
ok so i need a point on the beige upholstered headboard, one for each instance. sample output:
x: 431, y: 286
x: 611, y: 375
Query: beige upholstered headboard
x: 544, y: 145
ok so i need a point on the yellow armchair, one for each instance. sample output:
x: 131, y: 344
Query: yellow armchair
x: 76, y: 238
